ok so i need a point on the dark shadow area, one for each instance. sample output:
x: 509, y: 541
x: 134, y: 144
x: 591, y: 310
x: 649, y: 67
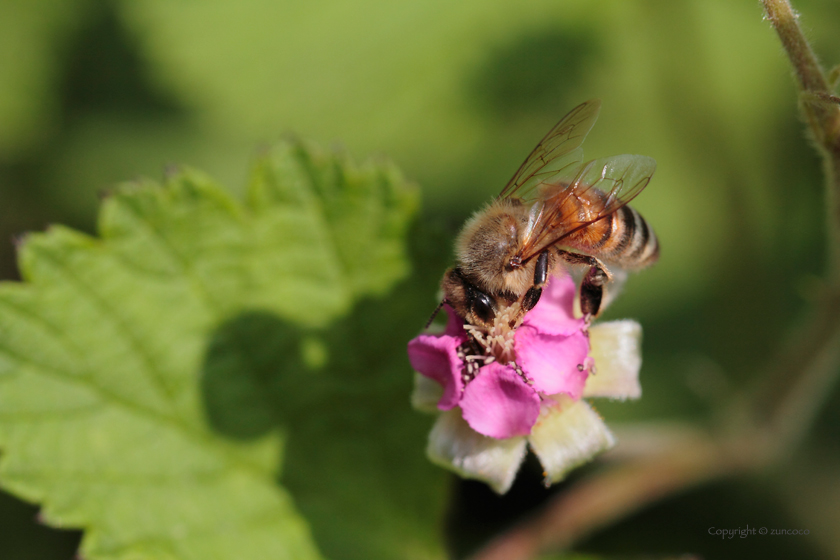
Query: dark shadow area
x: 673, y: 528
x: 23, y: 537
x: 104, y: 72
x: 249, y: 360
x: 681, y: 525
x: 535, y: 75
x: 477, y: 514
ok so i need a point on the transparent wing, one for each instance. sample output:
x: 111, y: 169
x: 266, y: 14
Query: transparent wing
x: 584, y: 195
x: 556, y: 153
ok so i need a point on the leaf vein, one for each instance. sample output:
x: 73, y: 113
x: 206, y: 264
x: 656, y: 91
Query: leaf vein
x: 109, y: 313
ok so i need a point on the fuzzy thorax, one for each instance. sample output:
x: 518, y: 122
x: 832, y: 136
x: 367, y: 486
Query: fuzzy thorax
x: 488, y: 242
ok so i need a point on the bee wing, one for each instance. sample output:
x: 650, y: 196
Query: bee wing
x: 585, y: 194
x: 556, y: 153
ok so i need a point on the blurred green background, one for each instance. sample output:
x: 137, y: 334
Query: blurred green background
x: 97, y: 92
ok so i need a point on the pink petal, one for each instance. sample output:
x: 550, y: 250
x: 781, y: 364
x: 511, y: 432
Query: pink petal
x: 436, y: 358
x: 498, y: 403
x: 554, y: 313
x: 553, y: 361
x: 455, y: 325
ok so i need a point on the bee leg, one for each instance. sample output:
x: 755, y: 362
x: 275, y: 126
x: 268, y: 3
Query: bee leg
x: 592, y: 291
x: 592, y: 287
x: 532, y: 296
x: 541, y: 270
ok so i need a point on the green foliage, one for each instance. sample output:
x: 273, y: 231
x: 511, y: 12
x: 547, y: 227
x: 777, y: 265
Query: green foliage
x: 94, y: 92
x: 153, y: 380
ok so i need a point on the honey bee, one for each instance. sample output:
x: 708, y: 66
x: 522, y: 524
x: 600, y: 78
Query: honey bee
x: 555, y: 209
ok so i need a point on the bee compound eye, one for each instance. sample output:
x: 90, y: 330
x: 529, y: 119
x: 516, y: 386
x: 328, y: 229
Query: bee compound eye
x: 482, y: 306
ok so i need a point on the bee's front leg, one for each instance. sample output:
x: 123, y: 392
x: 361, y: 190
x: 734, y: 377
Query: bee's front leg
x: 532, y: 296
x: 592, y: 287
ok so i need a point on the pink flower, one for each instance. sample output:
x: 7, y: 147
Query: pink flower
x: 503, y: 391
x: 503, y: 400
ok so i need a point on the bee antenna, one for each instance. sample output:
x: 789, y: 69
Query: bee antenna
x: 435, y: 312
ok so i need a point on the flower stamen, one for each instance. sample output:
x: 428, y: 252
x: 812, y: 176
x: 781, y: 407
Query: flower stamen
x: 498, y: 342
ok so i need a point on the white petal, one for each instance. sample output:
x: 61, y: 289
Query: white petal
x: 455, y: 446
x: 619, y: 277
x: 616, y: 350
x: 426, y: 394
x: 568, y: 435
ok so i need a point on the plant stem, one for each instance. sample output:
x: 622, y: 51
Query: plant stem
x: 822, y: 112
x: 803, y: 375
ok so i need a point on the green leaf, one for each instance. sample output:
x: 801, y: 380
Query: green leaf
x: 112, y: 414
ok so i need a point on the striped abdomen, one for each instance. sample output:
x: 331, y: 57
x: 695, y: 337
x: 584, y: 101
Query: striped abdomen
x: 623, y: 238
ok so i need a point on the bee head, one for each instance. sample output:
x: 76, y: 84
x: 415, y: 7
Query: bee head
x: 471, y: 303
